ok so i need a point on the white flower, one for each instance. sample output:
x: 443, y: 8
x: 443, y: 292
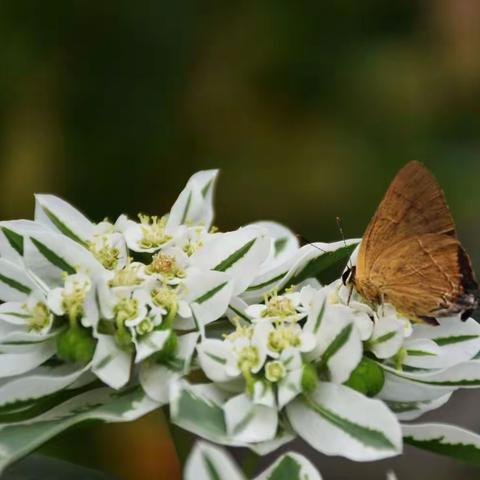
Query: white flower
x: 75, y: 300
x: 276, y: 307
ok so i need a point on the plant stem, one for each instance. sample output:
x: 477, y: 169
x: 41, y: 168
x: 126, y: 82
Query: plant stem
x: 250, y: 463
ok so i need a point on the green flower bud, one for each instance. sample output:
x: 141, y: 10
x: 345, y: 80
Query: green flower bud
x: 309, y: 378
x: 76, y: 345
x: 368, y: 378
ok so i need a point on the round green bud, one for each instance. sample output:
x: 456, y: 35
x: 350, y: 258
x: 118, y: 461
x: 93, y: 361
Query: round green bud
x: 368, y: 378
x: 76, y: 345
x: 309, y: 378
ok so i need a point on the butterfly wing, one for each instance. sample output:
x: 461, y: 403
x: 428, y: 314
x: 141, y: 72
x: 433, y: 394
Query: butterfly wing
x: 413, y: 208
x: 425, y: 276
x: 414, y: 204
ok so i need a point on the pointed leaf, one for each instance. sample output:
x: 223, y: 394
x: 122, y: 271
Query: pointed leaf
x: 446, y: 440
x: 337, y: 420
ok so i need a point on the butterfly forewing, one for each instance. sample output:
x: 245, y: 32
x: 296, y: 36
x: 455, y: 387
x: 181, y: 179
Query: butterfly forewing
x: 410, y: 255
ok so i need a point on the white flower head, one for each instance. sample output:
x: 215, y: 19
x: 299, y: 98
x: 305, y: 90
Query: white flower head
x: 75, y: 300
x: 285, y: 308
x: 148, y: 235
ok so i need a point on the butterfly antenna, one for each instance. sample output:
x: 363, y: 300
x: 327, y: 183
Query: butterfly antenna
x: 306, y: 241
x: 340, y: 229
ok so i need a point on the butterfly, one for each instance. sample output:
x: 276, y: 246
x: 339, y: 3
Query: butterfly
x: 410, y: 255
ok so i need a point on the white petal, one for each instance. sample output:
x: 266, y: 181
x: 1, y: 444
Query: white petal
x: 209, y: 294
x: 15, y: 283
x: 239, y: 253
x: 155, y: 380
x: 263, y: 394
x: 247, y: 422
x: 207, y: 461
x: 289, y: 387
x: 214, y: 355
x: 387, y: 338
x: 110, y: 363
x: 338, y: 342
x: 150, y: 343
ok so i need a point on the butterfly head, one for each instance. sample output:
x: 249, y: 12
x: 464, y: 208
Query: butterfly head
x: 348, y: 276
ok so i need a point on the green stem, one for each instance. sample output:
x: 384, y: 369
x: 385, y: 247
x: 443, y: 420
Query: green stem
x: 250, y: 463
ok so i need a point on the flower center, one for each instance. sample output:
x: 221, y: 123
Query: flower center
x: 145, y: 326
x: 153, y: 229
x: 126, y: 277
x: 274, y: 371
x: 106, y: 254
x: 164, y: 297
x: 248, y: 358
x: 277, y: 306
x: 74, y: 299
x: 125, y: 310
x: 40, y: 317
x: 166, y: 265
x: 282, y: 337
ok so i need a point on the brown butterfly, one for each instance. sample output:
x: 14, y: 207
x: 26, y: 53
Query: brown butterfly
x: 410, y: 255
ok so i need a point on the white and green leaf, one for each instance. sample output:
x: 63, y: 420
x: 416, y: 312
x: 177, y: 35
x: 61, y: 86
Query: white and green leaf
x: 447, y: 440
x: 337, y: 420
x: 239, y: 253
x: 307, y: 262
x: 455, y: 341
x: 103, y: 404
x: 194, y: 205
x: 19, y: 359
x: 291, y: 466
x: 60, y: 216
x: 209, y: 294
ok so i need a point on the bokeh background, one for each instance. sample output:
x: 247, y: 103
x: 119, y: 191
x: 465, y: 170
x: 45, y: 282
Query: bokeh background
x: 307, y: 107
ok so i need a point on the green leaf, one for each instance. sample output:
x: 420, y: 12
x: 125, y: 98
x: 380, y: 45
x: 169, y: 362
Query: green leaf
x: 234, y: 257
x: 52, y: 257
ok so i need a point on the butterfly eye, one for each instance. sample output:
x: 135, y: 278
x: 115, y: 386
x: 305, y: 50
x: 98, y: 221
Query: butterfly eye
x: 348, y: 276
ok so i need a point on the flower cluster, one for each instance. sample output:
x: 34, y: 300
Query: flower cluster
x: 232, y: 329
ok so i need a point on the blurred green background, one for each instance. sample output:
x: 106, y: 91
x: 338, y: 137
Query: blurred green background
x: 308, y: 109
